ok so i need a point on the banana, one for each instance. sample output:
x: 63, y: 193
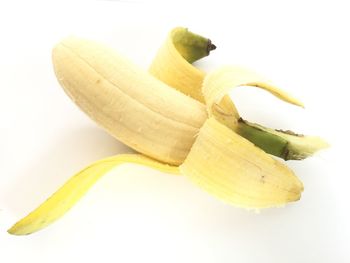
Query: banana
x: 193, y: 130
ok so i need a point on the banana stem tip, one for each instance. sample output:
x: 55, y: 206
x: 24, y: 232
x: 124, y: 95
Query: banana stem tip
x: 211, y: 46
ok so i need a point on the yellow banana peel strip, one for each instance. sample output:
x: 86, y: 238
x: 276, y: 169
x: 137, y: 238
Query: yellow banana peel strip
x: 234, y: 170
x: 219, y: 82
x: 172, y: 65
x: 71, y: 192
x: 171, y: 62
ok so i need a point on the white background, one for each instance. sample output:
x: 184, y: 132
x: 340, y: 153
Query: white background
x: 135, y: 214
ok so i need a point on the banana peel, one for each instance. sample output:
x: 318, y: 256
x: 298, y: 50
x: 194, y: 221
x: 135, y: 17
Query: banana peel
x: 70, y: 193
x: 180, y: 120
x: 173, y: 66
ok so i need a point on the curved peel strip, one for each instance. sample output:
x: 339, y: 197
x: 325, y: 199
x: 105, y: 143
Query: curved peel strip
x: 235, y: 171
x: 172, y: 62
x: 172, y: 65
x: 70, y: 193
x: 218, y: 83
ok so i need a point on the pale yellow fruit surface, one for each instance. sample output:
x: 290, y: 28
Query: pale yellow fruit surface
x: 129, y: 103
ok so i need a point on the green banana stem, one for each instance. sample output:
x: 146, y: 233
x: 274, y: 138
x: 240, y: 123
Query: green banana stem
x: 284, y: 144
x: 190, y: 45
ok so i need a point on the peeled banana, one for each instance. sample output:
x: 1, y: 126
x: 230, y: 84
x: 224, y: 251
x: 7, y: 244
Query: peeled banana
x: 180, y: 120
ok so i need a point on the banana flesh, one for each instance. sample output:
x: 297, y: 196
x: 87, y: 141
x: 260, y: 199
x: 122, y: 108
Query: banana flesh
x: 129, y: 103
x: 193, y: 129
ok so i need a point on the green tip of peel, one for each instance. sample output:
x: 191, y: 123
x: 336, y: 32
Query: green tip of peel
x: 191, y: 46
x: 301, y: 147
x: 284, y: 144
